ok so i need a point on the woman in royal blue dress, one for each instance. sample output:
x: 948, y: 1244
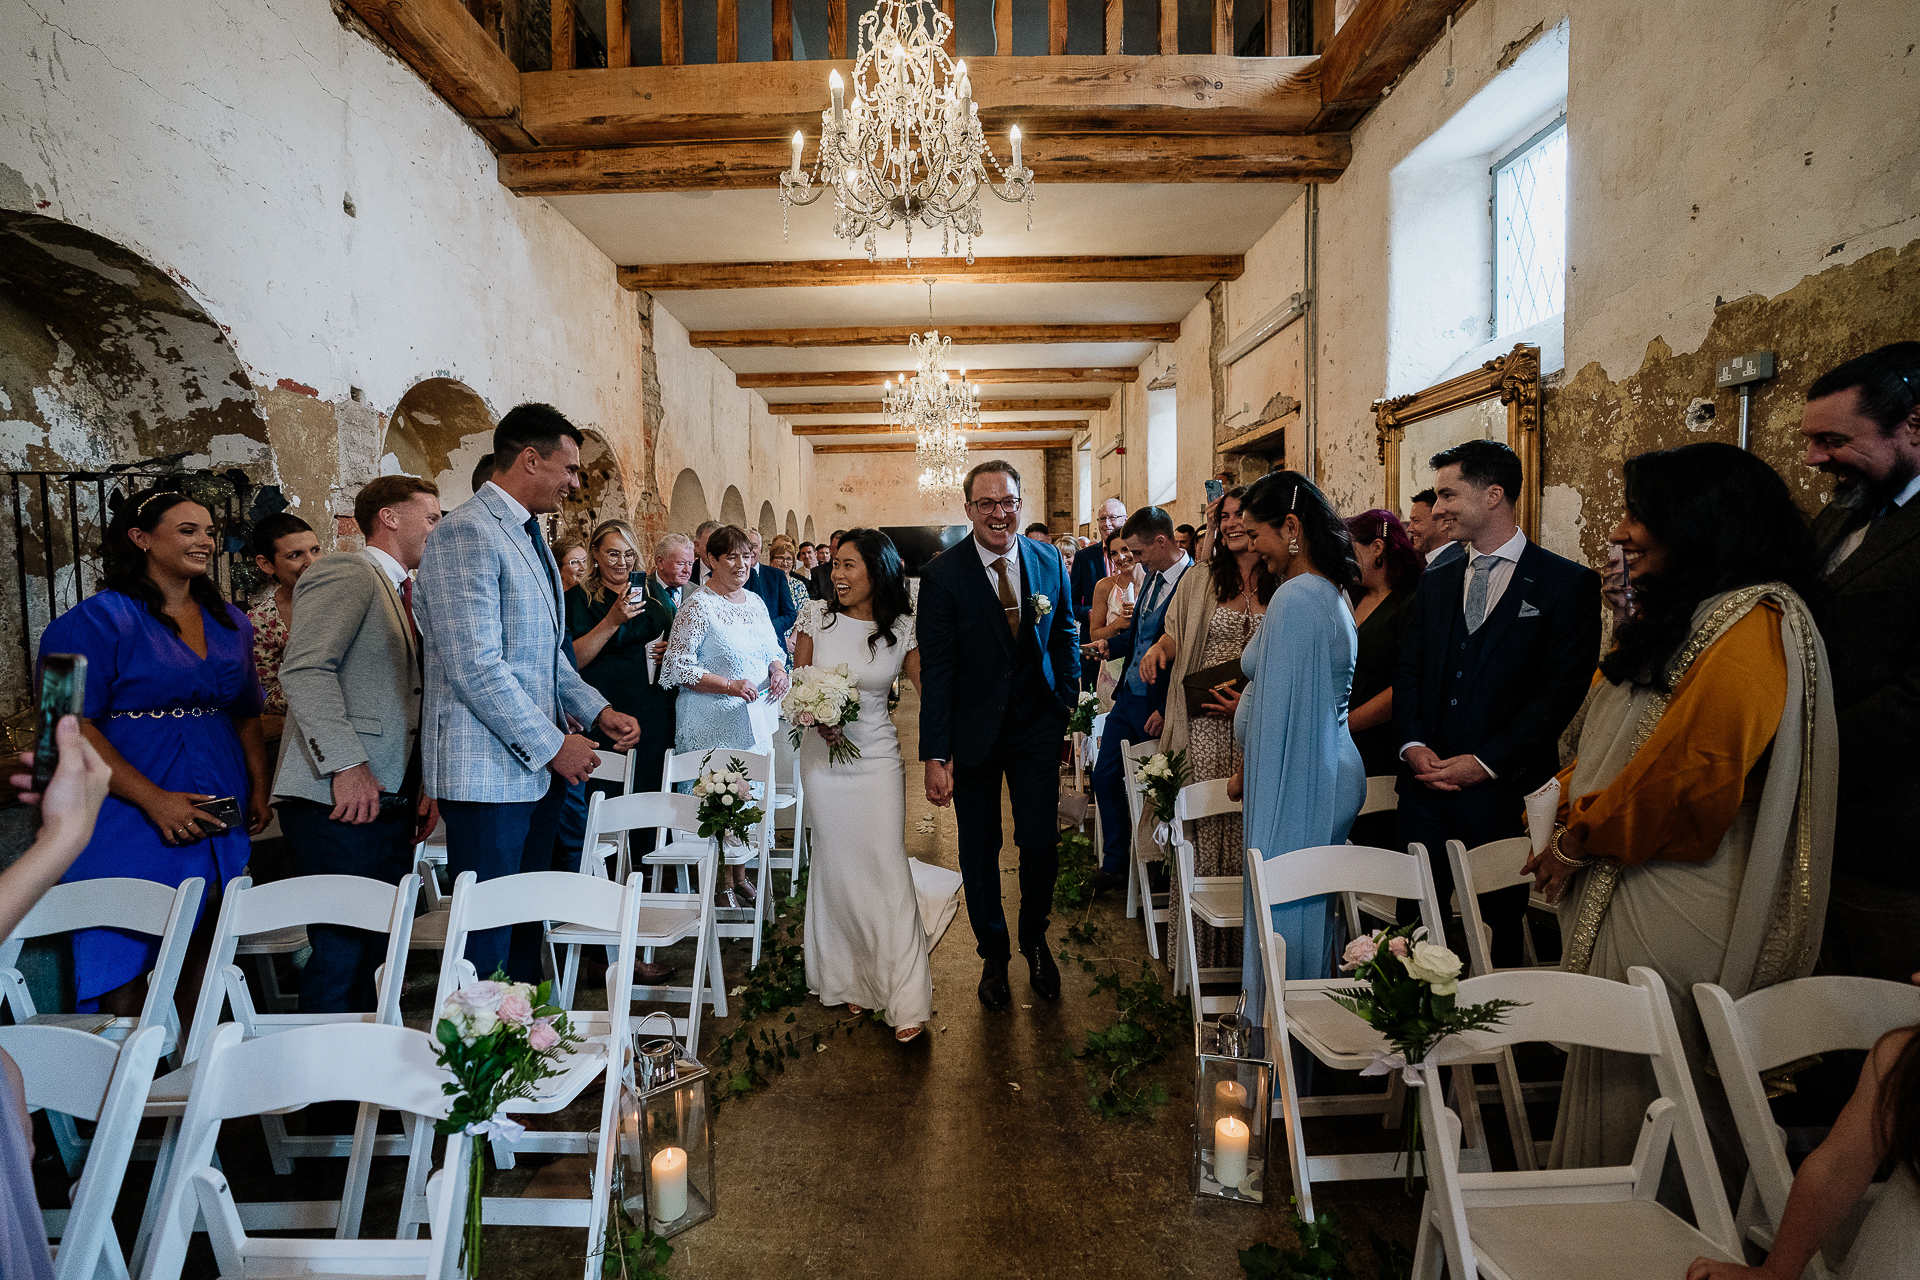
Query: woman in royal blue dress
x: 173, y: 705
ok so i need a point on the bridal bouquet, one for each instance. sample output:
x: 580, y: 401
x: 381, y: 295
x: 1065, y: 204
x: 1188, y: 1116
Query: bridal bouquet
x: 1160, y: 778
x: 823, y: 698
x: 1081, y: 721
x: 498, y: 1039
x: 728, y: 807
x: 1409, y: 1000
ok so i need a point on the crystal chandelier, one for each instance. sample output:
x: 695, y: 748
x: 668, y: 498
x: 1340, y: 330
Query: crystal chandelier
x: 909, y: 148
x: 935, y: 407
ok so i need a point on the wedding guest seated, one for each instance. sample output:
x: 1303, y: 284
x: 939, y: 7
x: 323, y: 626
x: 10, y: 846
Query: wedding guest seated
x: 1390, y: 568
x: 283, y: 547
x: 1697, y: 817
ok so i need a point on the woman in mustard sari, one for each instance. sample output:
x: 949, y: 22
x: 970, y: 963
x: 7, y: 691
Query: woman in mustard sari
x: 1698, y: 816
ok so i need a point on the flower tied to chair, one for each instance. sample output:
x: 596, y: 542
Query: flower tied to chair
x: 1385, y: 1064
x: 500, y: 1125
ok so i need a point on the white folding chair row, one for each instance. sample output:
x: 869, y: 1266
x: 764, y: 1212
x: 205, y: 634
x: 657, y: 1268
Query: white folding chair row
x: 347, y: 901
x: 610, y: 766
x: 138, y: 906
x: 1217, y: 901
x: 81, y: 1076
x: 604, y: 908
x: 682, y: 852
x: 789, y: 812
x: 378, y: 1066
x: 1332, y: 1034
x: 1560, y: 1223
x: 664, y: 918
x: 1382, y: 797
x: 1764, y: 1031
x: 1140, y: 895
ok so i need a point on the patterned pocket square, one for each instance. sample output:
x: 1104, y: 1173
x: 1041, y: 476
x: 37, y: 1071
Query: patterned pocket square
x: 1528, y: 611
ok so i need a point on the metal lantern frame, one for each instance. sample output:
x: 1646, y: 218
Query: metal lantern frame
x: 664, y: 1106
x: 1230, y: 1083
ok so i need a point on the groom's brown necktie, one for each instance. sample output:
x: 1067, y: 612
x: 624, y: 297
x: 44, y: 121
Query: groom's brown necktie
x: 1007, y: 600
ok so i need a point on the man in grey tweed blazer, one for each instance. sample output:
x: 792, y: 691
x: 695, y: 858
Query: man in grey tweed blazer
x: 502, y: 727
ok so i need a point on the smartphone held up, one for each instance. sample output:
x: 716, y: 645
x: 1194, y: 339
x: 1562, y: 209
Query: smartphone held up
x: 63, y: 692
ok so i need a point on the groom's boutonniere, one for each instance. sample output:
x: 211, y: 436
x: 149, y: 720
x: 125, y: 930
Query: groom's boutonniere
x: 1042, y: 605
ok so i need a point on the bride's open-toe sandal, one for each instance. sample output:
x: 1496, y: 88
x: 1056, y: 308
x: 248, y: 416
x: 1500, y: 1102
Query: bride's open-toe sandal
x: 855, y: 1010
x: 907, y: 1035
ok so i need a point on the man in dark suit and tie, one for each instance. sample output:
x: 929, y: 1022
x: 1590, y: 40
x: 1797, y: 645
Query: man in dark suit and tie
x: 770, y: 584
x: 1090, y: 565
x: 1502, y: 648
x: 999, y: 670
x: 820, y: 585
x: 1862, y: 426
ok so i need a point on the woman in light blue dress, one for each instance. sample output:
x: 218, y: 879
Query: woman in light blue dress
x: 1303, y: 783
x: 723, y: 657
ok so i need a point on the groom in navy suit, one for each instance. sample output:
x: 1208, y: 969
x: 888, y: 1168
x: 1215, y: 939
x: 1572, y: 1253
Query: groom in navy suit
x: 1000, y: 672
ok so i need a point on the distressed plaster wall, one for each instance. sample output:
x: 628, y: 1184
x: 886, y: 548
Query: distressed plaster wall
x: 873, y: 489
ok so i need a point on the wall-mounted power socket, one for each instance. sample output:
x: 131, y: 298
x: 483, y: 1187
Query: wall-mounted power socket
x: 1755, y: 366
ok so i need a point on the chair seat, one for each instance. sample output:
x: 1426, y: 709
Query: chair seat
x: 274, y: 942
x: 557, y: 1092
x: 1332, y: 1034
x: 660, y: 926
x: 1219, y: 901
x: 1602, y: 1241
x: 784, y: 799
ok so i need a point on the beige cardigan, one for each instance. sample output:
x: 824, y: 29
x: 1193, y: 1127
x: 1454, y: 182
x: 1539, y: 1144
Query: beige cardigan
x: 1188, y: 617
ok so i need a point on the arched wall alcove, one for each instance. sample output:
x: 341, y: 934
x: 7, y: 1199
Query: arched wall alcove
x: 688, y: 508
x: 440, y: 429
x: 793, y: 526
x: 806, y: 532
x: 110, y: 372
x: 768, y: 522
x: 602, y: 495
x: 733, y: 508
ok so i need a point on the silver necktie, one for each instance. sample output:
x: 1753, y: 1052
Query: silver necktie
x: 1480, y: 576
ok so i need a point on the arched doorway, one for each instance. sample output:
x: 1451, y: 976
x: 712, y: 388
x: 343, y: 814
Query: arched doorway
x: 793, y: 527
x: 440, y: 429
x: 733, y: 508
x: 806, y: 532
x: 688, y: 509
x: 111, y: 374
x: 602, y: 494
x: 768, y: 522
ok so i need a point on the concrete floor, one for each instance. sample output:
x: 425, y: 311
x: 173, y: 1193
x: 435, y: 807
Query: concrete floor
x: 971, y: 1155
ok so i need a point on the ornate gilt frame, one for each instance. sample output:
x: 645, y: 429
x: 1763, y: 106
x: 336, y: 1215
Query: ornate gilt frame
x: 1515, y: 379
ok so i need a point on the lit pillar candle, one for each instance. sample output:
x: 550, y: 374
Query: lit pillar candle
x: 1014, y: 133
x: 1229, y: 1152
x: 799, y: 142
x: 1229, y: 1098
x: 839, y: 92
x: 670, y: 1181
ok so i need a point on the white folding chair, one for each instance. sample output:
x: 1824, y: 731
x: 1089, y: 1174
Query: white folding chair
x: 1561, y: 1223
x: 664, y: 919
x: 732, y: 922
x: 1218, y: 901
x: 1300, y: 1010
x: 376, y: 1065
x: 1382, y: 797
x: 84, y: 1077
x: 1764, y: 1031
x: 140, y: 906
x: 610, y: 766
x: 1140, y: 895
x: 789, y: 812
x: 348, y: 901
x: 604, y: 908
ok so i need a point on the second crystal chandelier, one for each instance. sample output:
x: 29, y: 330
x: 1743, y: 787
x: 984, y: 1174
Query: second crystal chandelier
x: 935, y: 407
x: 909, y: 148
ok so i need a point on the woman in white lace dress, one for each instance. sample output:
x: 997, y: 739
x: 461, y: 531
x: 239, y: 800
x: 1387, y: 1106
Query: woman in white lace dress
x: 866, y: 947
x: 722, y: 655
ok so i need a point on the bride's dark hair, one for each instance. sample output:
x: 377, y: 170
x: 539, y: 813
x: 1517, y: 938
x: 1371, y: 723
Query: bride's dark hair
x: 1725, y: 521
x: 891, y: 600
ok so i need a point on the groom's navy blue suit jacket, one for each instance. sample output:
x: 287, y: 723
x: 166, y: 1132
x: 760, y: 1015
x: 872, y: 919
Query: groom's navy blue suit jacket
x: 968, y: 657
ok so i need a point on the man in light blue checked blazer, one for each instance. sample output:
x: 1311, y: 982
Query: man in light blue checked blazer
x: 502, y: 725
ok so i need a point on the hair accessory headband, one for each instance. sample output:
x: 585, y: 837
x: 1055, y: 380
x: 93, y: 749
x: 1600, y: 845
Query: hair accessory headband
x: 1296, y: 498
x: 152, y: 498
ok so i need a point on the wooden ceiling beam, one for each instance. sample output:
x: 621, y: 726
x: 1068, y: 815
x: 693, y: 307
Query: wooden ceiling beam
x: 866, y: 378
x: 1068, y: 404
x: 668, y: 276
x: 1062, y: 427
x: 602, y: 107
x: 904, y: 446
x: 741, y: 164
x: 1378, y: 42
x: 453, y: 54
x: 962, y: 335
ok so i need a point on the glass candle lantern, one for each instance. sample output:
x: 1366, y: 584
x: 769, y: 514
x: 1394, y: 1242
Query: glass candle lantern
x: 1232, y: 1102
x: 666, y: 1140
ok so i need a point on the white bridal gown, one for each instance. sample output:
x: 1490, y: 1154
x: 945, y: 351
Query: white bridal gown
x: 865, y: 942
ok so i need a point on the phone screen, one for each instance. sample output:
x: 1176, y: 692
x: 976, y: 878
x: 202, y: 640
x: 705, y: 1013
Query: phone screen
x: 1214, y: 490
x: 63, y: 692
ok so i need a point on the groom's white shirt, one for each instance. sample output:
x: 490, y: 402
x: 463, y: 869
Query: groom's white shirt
x: 1012, y: 556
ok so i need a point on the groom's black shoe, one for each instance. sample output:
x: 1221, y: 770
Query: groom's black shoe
x: 993, y: 985
x: 1107, y: 881
x: 1042, y: 972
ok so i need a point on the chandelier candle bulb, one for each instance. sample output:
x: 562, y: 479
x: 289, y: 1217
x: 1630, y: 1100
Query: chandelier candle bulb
x: 1014, y: 135
x: 670, y: 1183
x: 1229, y: 1152
x: 839, y: 92
x: 799, y: 143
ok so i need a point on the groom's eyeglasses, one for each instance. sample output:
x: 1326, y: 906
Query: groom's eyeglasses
x: 987, y: 506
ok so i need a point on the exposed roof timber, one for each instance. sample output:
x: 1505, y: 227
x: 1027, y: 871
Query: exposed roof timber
x: 1059, y: 427
x: 1070, y: 404
x: 1378, y: 42
x: 866, y: 378
x: 440, y: 40
x: 904, y: 446
x: 735, y: 164
x: 962, y: 335
x: 636, y: 104
x: 667, y: 276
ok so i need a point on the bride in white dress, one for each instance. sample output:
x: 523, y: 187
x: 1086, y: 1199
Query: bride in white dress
x: 865, y: 944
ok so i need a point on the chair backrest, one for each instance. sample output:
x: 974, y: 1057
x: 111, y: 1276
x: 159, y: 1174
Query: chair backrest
x: 89, y: 1078
x: 1131, y: 756
x: 1784, y: 1023
x: 687, y: 766
x: 1348, y: 868
x: 355, y: 902
x: 540, y: 897
x: 1573, y: 1008
x: 1382, y: 795
x: 1199, y: 800
x: 139, y: 906
x: 615, y: 766
x: 661, y: 811
x: 1494, y: 865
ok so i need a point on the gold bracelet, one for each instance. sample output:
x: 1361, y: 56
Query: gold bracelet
x: 1554, y: 848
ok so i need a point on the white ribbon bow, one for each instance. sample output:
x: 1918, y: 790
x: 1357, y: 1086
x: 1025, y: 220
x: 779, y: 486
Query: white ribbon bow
x: 1386, y: 1063
x: 1162, y: 833
x: 500, y: 1126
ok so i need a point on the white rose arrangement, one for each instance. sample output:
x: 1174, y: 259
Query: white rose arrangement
x: 823, y: 698
x: 729, y: 801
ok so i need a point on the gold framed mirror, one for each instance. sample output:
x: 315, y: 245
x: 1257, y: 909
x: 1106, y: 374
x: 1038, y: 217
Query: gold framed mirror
x: 1499, y: 400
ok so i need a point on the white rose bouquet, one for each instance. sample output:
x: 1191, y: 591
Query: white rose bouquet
x: 729, y: 802
x: 498, y: 1039
x: 1160, y: 778
x: 1409, y: 1000
x: 823, y: 698
x: 1081, y: 721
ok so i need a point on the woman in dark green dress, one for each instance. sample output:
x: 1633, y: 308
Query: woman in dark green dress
x: 616, y: 621
x: 1382, y: 607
